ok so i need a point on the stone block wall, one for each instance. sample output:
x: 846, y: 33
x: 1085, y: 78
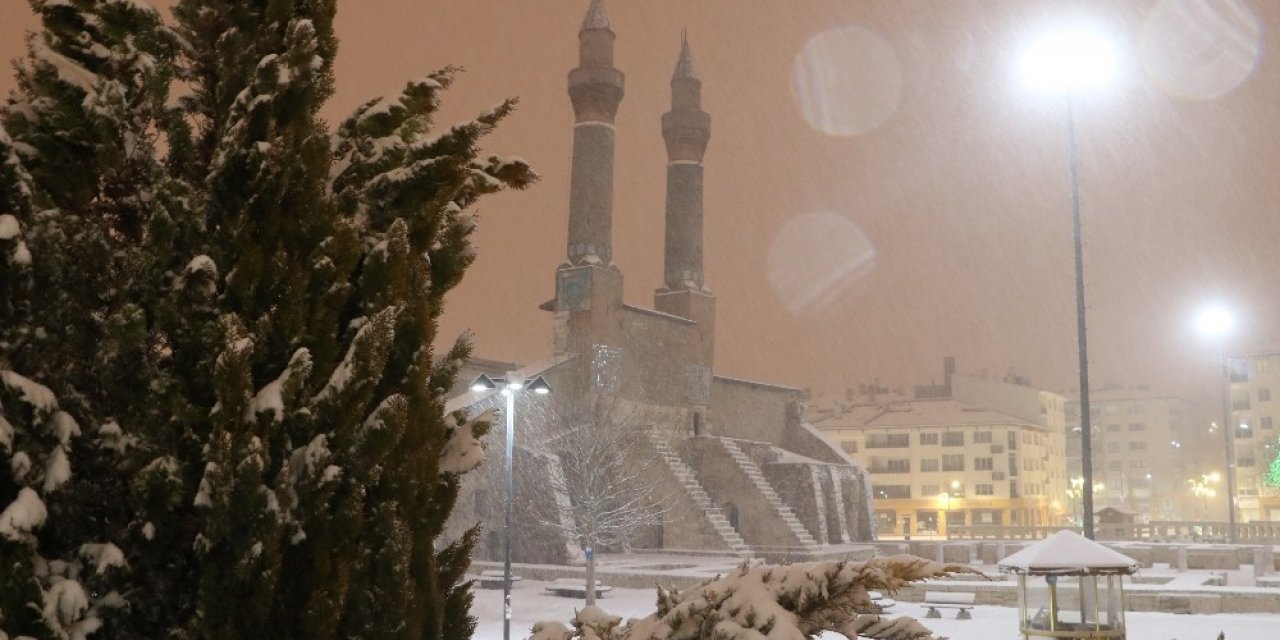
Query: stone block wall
x: 807, y: 441
x: 750, y: 410
x: 728, y: 485
x: 686, y: 527
x: 855, y: 489
x: 657, y: 351
x: 795, y: 483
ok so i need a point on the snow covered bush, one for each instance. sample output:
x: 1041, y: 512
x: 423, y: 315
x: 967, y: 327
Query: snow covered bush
x: 221, y: 412
x: 777, y: 602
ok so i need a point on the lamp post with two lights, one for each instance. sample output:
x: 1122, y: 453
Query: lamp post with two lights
x: 510, y: 385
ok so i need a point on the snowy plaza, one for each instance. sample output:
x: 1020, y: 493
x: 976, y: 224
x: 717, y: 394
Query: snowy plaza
x: 532, y: 602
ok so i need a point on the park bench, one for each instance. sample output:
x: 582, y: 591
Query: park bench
x: 494, y: 579
x: 575, y: 588
x: 961, y: 602
x: 880, y: 602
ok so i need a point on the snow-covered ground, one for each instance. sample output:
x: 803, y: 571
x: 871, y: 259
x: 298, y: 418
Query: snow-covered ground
x: 531, y: 603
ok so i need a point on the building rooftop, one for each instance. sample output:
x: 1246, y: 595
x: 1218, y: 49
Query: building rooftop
x: 939, y: 412
x: 1120, y: 394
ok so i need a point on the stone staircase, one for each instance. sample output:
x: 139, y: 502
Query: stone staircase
x: 715, y: 516
x: 753, y: 472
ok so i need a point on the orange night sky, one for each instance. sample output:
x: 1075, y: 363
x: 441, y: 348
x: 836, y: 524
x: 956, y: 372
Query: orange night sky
x: 881, y: 191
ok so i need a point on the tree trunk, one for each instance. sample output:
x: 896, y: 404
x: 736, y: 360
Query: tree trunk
x: 591, y: 577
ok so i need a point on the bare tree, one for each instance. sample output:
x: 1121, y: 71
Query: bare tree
x: 607, y: 473
x: 586, y: 474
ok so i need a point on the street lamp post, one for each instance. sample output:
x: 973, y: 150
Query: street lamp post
x: 955, y: 484
x: 1067, y: 63
x: 1216, y: 322
x: 510, y: 385
x: 1228, y: 445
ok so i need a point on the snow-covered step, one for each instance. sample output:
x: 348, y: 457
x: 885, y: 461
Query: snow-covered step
x: 688, y: 480
x: 757, y: 478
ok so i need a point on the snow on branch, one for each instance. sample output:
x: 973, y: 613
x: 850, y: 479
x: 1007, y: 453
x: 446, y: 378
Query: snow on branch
x: 464, y: 452
x: 9, y: 227
x: 366, y: 355
x: 272, y: 397
x: 23, y: 516
x: 33, y: 393
x: 771, y: 602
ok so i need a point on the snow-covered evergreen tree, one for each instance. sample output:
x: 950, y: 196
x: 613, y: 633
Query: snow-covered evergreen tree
x: 220, y: 412
x: 86, y: 238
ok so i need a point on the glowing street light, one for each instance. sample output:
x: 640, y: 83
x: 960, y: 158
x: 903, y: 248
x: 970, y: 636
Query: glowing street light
x: 1076, y: 492
x: 1216, y: 322
x: 1201, y: 487
x: 1068, y: 63
x: 955, y: 486
x: 510, y: 386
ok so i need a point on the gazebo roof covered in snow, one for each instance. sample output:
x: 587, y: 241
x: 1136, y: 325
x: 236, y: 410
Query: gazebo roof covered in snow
x: 1068, y: 553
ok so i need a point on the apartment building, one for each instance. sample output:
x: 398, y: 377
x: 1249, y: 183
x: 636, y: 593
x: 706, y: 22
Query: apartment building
x: 969, y: 451
x: 940, y: 461
x: 1141, y: 451
x: 1254, y: 404
x: 1015, y: 396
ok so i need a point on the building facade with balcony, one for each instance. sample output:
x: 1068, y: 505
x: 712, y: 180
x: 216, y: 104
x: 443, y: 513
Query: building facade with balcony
x: 939, y: 462
x: 1254, y: 405
x: 1141, y: 453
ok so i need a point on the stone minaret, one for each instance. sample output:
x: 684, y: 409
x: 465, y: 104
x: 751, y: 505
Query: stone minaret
x: 686, y: 128
x: 595, y: 88
x: 588, y: 285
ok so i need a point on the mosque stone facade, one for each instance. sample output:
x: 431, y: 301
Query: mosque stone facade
x: 742, y: 470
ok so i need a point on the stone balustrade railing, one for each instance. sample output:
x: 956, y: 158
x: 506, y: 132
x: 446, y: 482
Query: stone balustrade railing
x: 1169, y: 531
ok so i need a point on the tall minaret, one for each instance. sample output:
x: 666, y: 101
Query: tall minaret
x: 595, y: 88
x: 686, y: 128
x: 588, y: 284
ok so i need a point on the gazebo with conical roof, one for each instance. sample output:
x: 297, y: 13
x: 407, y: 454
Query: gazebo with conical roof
x: 1070, y: 587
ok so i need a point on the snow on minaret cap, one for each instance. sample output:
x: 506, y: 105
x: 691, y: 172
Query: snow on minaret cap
x: 1068, y: 553
x: 596, y: 18
x: 684, y: 66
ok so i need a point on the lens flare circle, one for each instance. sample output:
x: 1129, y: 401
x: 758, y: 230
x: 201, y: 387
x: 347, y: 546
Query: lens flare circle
x: 815, y: 258
x: 1200, y: 49
x: 847, y: 81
